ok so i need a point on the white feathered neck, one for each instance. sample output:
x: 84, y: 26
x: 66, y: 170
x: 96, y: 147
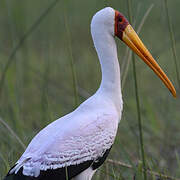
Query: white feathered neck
x: 102, y: 30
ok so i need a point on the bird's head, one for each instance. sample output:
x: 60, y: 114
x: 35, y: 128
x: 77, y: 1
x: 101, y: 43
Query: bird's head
x: 116, y: 24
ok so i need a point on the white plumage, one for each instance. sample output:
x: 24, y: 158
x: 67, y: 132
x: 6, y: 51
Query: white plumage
x: 82, y: 135
x: 86, y: 133
x: 80, y: 141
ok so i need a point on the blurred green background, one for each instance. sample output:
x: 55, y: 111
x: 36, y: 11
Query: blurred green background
x: 38, y: 86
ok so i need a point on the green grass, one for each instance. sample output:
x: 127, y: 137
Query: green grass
x: 49, y: 65
x: 140, y: 129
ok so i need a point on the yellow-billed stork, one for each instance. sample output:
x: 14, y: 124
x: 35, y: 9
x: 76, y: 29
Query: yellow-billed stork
x: 75, y: 145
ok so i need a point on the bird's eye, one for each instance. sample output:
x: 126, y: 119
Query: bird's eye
x: 120, y: 19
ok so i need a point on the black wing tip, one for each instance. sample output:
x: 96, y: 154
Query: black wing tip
x: 18, y: 176
x: 9, y: 177
x: 55, y: 174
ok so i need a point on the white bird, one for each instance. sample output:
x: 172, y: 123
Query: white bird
x: 74, y: 146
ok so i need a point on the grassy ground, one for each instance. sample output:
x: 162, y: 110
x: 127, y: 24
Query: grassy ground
x: 39, y: 81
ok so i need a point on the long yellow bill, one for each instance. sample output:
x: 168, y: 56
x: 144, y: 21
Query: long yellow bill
x: 132, y: 40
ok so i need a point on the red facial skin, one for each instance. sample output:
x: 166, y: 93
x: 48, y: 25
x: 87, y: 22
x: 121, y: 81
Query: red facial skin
x: 120, y: 24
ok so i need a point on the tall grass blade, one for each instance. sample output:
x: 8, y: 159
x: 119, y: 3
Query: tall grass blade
x: 106, y: 171
x: 137, y: 102
x: 75, y: 86
x: 5, y: 161
x: 66, y: 173
x: 13, y: 133
x: 44, y: 96
x: 22, y: 40
x: 173, y: 43
x: 18, y: 66
x: 178, y: 163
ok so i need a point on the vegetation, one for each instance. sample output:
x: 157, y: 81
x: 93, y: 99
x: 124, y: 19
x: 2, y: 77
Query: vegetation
x: 48, y: 66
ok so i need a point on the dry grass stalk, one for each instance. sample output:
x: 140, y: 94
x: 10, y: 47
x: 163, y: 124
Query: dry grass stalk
x: 152, y: 173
